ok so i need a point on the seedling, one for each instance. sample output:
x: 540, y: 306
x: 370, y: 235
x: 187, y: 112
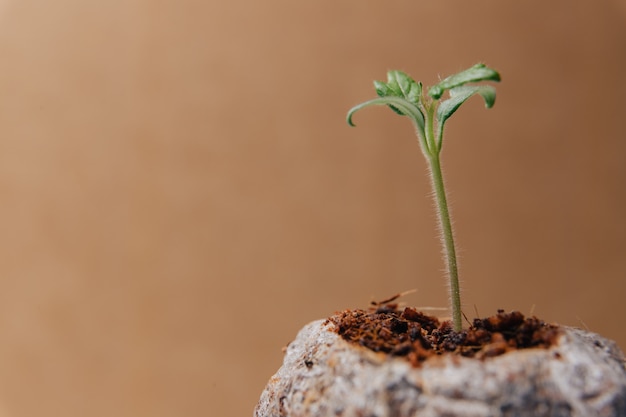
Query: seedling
x: 429, y: 115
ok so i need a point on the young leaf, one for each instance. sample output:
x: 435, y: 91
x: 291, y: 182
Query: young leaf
x: 400, y: 85
x: 479, y: 72
x: 404, y: 86
x: 398, y: 104
x: 459, y: 95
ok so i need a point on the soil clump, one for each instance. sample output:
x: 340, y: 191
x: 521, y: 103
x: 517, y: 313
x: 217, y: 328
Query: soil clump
x: 417, y: 337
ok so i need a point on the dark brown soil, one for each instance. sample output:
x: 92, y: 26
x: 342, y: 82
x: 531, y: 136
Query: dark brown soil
x: 416, y: 336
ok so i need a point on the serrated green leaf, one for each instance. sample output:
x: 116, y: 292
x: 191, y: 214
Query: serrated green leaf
x: 460, y: 95
x: 404, y: 86
x: 477, y: 73
x: 401, y: 85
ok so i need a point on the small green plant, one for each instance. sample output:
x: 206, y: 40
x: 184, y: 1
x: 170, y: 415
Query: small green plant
x: 429, y: 115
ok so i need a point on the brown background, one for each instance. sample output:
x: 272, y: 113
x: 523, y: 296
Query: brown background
x: 180, y: 193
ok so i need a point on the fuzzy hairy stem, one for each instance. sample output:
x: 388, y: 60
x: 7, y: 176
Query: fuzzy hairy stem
x: 447, y: 240
x: 443, y: 215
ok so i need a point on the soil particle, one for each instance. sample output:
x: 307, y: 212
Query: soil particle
x: 416, y: 336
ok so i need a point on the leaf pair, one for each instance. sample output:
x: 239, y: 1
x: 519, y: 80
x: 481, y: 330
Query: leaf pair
x: 405, y: 97
x: 401, y: 85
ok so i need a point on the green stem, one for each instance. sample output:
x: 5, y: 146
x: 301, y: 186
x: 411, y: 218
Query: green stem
x: 448, y: 240
x: 447, y: 236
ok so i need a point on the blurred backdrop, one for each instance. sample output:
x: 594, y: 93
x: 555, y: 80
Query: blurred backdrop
x: 180, y: 192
